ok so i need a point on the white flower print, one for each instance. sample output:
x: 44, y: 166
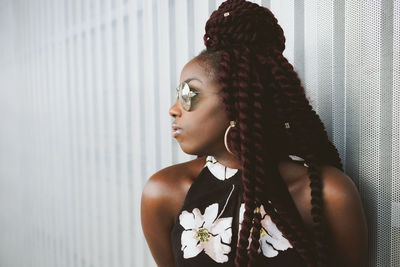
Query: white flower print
x: 271, y: 238
x: 241, y: 216
x: 205, y: 232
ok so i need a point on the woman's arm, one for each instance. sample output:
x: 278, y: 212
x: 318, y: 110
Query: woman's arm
x: 156, y: 219
x: 345, y: 218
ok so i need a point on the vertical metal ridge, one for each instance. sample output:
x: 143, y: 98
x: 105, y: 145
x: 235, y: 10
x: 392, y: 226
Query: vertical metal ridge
x: 156, y: 86
x: 122, y: 189
x: 338, y: 80
x: 148, y: 118
x: 182, y: 49
x: 90, y: 177
x: 369, y: 112
x: 166, y: 89
x: 298, y: 38
x: 69, y: 112
x: 395, y: 235
x: 109, y: 135
x: 138, y: 171
x: 325, y: 65
x: 173, y: 62
x: 385, y: 139
x: 190, y: 28
x: 80, y: 142
x: 311, y: 70
x: 64, y: 136
x: 353, y: 84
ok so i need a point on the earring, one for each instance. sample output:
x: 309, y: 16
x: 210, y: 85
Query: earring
x: 232, y: 124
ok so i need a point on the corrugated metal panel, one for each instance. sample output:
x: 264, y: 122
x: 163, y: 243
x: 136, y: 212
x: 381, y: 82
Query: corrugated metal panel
x: 86, y: 89
x: 395, y: 130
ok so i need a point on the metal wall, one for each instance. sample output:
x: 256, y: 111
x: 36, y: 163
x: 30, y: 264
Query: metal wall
x: 84, y: 98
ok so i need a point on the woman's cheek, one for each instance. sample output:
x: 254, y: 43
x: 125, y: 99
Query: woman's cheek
x: 194, y: 103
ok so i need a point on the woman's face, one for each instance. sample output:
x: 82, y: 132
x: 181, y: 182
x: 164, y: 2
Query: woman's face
x: 203, y: 127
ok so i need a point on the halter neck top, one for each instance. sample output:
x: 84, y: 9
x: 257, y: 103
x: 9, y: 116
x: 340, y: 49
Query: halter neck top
x: 205, y: 232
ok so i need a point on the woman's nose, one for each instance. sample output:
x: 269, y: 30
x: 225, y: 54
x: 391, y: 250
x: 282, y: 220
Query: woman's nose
x: 174, y: 110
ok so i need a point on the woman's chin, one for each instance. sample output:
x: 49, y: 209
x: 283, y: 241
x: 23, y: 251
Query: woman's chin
x: 189, y: 149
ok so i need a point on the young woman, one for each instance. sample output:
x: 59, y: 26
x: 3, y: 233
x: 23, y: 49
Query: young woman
x: 268, y: 187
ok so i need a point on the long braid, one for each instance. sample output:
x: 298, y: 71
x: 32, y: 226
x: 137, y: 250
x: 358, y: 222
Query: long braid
x: 293, y: 227
x: 245, y: 122
x: 314, y: 172
x: 243, y: 100
x: 236, y: 66
x: 256, y: 136
x: 248, y: 182
x: 288, y: 135
x: 264, y: 162
x: 297, y: 234
x: 314, y: 165
x: 296, y: 93
x: 256, y: 226
x: 242, y: 74
x: 321, y: 145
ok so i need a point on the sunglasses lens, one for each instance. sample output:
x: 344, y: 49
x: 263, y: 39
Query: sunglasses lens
x: 184, y: 91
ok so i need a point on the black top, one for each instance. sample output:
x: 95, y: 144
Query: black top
x: 210, y: 219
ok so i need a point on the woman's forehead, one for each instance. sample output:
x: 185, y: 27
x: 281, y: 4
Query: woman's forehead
x: 192, y: 69
x: 197, y: 72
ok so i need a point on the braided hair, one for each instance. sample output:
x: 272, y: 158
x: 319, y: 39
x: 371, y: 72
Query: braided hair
x: 262, y: 92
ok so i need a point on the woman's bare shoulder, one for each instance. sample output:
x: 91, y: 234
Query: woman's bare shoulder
x: 343, y: 213
x: 345, y: 219
x: 168, y: 186
x: 162, y: 198
x: 175, y: 176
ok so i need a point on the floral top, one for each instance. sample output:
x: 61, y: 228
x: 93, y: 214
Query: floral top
x: 210, y: 219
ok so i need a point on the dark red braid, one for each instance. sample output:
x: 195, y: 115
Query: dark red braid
x: 292, y: 235
x: 304, y: 117
x: 244, y: 99
x: 261, y: 91
x: 243, y: 58
x: 295, y: 95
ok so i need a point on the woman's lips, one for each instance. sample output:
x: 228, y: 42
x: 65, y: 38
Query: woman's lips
x: 176, y: 131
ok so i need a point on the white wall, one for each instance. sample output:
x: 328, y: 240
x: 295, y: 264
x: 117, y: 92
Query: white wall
x: 84, y: 98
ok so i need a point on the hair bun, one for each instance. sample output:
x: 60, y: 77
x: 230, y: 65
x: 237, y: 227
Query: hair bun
x: 243, y: 23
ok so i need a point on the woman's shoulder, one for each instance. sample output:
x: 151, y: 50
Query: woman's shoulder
x: 338, y: 188
x: 167, y: 188
x: 340, y: 194
x: 162, y: 197
x: 342, y: 211
x: 345, y: 218
x: 177, y: 175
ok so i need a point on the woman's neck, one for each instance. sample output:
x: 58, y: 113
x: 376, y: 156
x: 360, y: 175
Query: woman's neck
x: 228, y: 160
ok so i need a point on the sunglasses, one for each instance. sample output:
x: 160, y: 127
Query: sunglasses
x: 185, y: 95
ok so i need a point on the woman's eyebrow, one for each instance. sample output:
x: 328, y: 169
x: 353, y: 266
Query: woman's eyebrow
x: 190, y: 79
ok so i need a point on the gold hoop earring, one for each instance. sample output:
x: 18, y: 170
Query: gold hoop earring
x: 232, y: 124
